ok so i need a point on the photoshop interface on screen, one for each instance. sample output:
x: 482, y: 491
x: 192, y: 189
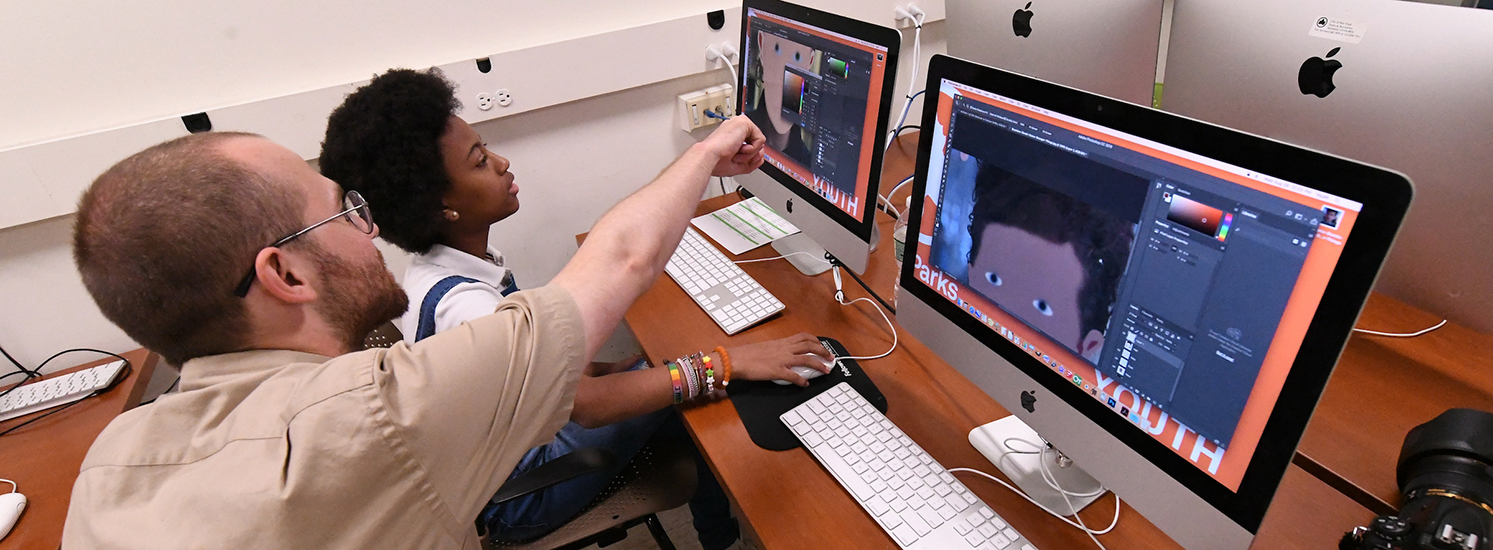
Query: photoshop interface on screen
x: 1208, y: 275
x: 825, y: 95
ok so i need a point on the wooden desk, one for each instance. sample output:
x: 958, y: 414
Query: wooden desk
x: 1383, y: 387
x: 44, y: 457
x: 789, y: 501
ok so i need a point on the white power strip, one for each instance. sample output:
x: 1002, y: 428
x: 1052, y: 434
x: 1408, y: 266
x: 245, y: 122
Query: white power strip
x: 58, y: 391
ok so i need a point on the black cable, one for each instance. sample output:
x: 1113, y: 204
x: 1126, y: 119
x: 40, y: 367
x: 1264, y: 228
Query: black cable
x: 15, y: 372
x: 13, y: 361
x: 906, y: 128
x: 37, y: 372
x: 723, y: 184
x: 836, y: 261
x: 49, y: 413
x: 123, y: 374
x: 168, y: 390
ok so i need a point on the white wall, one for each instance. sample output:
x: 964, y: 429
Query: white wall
x: 90, y: 65
x: 88, y: 71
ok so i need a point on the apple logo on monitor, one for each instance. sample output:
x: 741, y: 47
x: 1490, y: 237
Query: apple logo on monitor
x: 1021, y: 22
x: 1315, y: 77
x: 1029, y: 401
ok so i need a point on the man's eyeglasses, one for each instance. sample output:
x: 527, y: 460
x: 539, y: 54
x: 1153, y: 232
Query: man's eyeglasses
x: 357, y: 213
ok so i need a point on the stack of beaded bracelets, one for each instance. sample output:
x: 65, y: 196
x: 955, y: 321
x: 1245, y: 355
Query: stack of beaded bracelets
x: 695, y: 375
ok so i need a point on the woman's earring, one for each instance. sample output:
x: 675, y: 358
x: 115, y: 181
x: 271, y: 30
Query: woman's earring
x: 452, y: 215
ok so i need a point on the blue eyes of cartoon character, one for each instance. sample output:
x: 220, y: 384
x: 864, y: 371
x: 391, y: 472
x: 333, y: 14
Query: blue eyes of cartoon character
x: 993, y: 278
x: 1042, y: 307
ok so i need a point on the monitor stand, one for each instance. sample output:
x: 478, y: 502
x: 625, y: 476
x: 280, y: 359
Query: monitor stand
x: 1025, y: 469
x: 811, y: 262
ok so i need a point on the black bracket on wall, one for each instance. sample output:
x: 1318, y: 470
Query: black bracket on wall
x: 716, y: 19
x: 197, y: 123
x: 484, y: 64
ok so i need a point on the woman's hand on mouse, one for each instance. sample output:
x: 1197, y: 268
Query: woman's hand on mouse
x: 771, y: 360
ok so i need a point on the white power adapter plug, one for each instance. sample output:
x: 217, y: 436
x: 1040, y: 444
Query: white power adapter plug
x: 912, y: 14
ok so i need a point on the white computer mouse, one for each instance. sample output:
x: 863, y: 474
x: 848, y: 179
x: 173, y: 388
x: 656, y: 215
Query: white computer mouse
x: 11, y: 506
x: 806, y: 372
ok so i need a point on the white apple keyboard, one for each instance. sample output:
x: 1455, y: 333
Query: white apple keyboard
x: 909, y: 494
x: 731, y: 297
x: 58, y: 391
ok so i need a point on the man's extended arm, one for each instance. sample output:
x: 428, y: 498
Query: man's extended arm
x: 628, y: 247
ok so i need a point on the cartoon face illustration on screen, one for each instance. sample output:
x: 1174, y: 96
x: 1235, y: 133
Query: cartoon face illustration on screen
x: 777, y: 54
x: 1047, y: 258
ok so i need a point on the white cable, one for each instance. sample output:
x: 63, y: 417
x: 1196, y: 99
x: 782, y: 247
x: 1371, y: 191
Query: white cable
x: 1081, y: 524
x: 1047, y: 475
x: 723, y: 53
x: 1402, y: 334
x: 783, y: 257
x: 887, y: 199
x: 13, y: 486
x: 1112, y: 523
x: 912, y: 84
x: 840, y: 297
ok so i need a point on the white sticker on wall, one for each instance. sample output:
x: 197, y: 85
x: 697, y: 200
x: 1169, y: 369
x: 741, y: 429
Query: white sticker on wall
x: 1337, y: 29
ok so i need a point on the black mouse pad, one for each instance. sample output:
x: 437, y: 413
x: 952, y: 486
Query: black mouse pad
x: 760, y: 403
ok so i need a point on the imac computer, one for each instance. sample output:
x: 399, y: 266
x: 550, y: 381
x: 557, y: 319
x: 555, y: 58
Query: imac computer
x: 819, y: 86
x: 1161, y: 299
x: 1108, y: 47
x: 1400, y: 84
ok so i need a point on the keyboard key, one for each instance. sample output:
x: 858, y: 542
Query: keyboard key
x: 973, y: 539
x: 945, y: 512
x: 955, y: 502
x: 1011, y: 534
x: 793, y: 418
x: 905, y: 535
x: 987, y: 531
x: 916, y: 521
x: 876, y: 505
x: 962, y: 527
x: 984, y: 511
x: 931, y: 516
x: 1000, y: 542
x: 890, y: 519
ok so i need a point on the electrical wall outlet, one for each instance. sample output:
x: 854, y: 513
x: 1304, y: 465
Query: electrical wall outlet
x: 721, y: 100
x: 484, y: 101
x: 692, y: 111
x: 504, y: 97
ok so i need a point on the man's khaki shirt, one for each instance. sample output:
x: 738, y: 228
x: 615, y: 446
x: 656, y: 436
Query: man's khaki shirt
x: 396, y: 448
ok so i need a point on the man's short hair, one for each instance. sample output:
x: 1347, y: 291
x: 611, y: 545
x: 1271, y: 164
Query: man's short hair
x: 163, y: 237
x: 384, y: 141
x: 1100, y: 240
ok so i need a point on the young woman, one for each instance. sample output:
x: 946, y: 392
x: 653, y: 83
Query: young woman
x: 439, y: 190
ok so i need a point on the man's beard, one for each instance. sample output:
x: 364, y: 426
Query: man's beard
x: 358, y: 298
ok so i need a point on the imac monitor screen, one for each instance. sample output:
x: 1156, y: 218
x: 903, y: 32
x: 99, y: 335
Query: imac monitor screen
x: 1108, y: 47
x: 819, y: 87
x: 1180, y: 289
x: 1410, y: 95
